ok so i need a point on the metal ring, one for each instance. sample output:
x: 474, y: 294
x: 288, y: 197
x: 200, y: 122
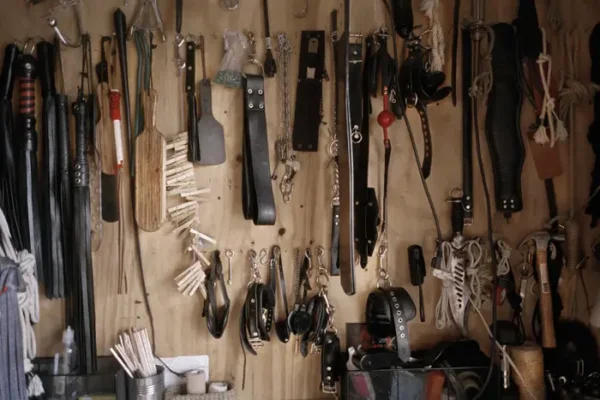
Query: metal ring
x: 255, y: 62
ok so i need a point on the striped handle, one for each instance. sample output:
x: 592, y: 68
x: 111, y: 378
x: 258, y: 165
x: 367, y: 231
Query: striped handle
x: 115, y: 116
x: 26, y: 96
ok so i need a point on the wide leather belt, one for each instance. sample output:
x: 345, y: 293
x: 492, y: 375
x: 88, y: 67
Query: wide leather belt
x: 216, y: 321
x: 502, y: 122
x: 388, y: 312
x: 330, y: 362
x: 257, y: 192
x: 309, y: 93
x: 421, y: 87
x: 345, y: 156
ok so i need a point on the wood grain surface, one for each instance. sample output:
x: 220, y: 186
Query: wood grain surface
x: 277, y: 373
x: 150, y: 193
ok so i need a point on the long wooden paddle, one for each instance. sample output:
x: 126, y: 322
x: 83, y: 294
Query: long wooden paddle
x: 150, y: 201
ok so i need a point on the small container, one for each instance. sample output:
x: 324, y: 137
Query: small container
x: 152, y: 388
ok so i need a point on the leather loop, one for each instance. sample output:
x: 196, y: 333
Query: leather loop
x: 257, y: 192
x: 216, y: 320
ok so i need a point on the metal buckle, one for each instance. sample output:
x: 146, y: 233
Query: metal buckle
x: 256, y: 343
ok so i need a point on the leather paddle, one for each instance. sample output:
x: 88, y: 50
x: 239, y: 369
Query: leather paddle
x: 149, y: 170
x: 210, y: 132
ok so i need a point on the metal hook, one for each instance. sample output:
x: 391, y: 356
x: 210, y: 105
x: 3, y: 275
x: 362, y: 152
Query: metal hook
x: 264, y: 256
x: 304, y: 11
x: 53, y: 23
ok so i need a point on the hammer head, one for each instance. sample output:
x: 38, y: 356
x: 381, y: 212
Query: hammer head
x: 542, y: 239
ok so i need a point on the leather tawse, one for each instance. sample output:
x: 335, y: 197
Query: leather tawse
x: 309, y: 93
x: 257, y: 193
x: 8, y: 192
x: 502, y: 122
x: 52, y: 226
x: 388, y: 312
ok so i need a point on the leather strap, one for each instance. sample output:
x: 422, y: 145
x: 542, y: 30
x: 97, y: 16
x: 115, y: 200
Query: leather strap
x: 359, y: 117
x: 467, y: 125
x: 529, y: 33
x: 309, y: 93
x: 456, y: 28
x: 502, y: 122
x: 27, y: 171
x: 257, y: 193
x: 335, y: 240
x: 52, y: 227
x: 427, y: 143
x: 281, y: 326
x: 330, y: 363
x: 266, y: 303
x: 346, y: 157
x: 388, y: 313
x: 593, y: 207
x: 403, y: 17
x: 8, y: 195
x: 192, y: 107
x: 335, y: 204
x: 216, y: 320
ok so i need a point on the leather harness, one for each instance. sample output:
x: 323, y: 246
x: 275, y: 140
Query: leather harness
x: 216, y: 320
x: 257, y: 192
x: 421, y: 87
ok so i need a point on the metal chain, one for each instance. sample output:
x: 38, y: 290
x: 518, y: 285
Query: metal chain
x: 283, y: 145
x: 383, y: 278
x: 255, y: 273
x: 333, y: 148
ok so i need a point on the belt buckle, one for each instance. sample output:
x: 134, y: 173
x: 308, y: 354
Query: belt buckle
x: 256, y: 343
x: 328, y: 388
x: 315, y: 349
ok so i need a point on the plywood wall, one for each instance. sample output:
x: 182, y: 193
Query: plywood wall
x: 277, y: 373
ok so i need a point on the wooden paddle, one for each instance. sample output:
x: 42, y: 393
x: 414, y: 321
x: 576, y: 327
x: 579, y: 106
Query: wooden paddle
x: 150, y: 201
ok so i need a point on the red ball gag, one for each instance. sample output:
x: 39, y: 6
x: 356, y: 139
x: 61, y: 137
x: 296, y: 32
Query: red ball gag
x: 385, y: 119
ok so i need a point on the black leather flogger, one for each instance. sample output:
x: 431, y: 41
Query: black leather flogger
x: 309, y: 93
x: 8, y: 175
x: 52, y: 226
x: 388, y: 312
x: 502, y: 122
x: 421, y: 87
x: 257, y: 193
x: 27, y: 171
x: 216, y: 320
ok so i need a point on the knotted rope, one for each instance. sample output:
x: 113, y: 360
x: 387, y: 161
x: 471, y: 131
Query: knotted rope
x: 438, y: 45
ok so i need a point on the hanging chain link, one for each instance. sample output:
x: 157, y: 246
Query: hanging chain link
x: 383, y: 278
x: 323, y: 285
x: 283, y: 145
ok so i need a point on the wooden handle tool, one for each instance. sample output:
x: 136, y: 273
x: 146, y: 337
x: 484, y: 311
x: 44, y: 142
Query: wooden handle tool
x: 149, y: 170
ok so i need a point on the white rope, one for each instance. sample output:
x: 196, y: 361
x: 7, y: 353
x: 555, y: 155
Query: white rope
x: 548, y: 115
x: 29, y: 304
x: 504, y: 251
x: 574, y: 92
x: 438, y: 46
x: 478, y: 276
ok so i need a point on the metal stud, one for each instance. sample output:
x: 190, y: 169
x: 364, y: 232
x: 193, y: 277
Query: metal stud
x: 250, y: 105
x: 402, y: 336
x: 260, y: 91
x: 249, y: 91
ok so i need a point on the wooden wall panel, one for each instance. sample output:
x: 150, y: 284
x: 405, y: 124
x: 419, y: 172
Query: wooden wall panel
x: 277, y: 373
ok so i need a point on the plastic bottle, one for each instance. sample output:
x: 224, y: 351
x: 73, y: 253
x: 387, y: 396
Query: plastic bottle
x: 65, y: 363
